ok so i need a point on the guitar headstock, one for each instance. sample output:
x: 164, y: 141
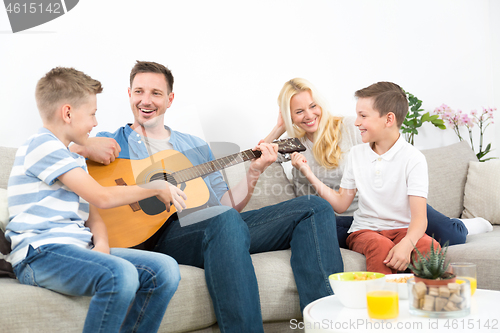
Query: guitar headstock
x: 287, y: 146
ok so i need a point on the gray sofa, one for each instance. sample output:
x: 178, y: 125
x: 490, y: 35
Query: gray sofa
x: 31, y: 309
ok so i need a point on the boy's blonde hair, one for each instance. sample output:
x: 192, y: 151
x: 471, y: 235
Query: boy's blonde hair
x: 387, y: 97
x: 63, y: 85
x: 326, y: 148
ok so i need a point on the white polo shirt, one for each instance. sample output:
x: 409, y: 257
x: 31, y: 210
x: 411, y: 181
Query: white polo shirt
x: 384, y: 183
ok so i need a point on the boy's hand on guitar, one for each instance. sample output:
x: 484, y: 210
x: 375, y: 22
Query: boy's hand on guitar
x: 178, y: 197
x: 170, y: 195
x: 269, y: 155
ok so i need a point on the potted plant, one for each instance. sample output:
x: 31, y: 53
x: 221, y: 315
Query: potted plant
x: 414, y: 119
x: 434, y: 292
x: 432, y: 268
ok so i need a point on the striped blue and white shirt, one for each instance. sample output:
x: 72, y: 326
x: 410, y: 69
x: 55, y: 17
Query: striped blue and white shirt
x: 42, y: 209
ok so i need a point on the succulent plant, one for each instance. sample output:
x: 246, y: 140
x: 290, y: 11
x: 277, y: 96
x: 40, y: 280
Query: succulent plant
x: 432, y: 266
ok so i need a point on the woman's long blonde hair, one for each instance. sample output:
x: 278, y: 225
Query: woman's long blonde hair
x: 326, y: 148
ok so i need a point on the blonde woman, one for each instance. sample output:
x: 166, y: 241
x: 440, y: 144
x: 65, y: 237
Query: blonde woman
x: 304, y: 114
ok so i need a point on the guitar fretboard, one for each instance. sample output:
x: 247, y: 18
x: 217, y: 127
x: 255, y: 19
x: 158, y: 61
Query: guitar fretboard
x: 204, y: 169
x: 285, y: 146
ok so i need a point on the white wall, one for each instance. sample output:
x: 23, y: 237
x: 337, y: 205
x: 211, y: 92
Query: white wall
x: 231, y: 58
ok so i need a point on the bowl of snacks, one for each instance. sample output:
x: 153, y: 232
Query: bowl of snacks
x: 350, y: 287
x: 401, y: 280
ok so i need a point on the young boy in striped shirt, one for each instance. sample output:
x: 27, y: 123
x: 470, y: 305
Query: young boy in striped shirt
x: 58, y: 239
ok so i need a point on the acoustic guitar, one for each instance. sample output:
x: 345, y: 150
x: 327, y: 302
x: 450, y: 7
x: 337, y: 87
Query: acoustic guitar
x: 133, y: 225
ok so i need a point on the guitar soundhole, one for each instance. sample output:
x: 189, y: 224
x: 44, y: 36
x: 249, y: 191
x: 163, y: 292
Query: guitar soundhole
x: 164, y: 176
x: 153, y: 206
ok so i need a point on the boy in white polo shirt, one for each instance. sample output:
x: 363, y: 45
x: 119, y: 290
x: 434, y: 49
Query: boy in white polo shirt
x: 390, y: 176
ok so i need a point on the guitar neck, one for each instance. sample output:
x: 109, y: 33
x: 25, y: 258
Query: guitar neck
x: 204, y: 169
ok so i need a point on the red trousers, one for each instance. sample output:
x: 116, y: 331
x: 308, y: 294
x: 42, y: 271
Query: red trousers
x: 375, y: 245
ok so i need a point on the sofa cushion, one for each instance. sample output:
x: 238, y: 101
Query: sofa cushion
x: 482, y: 191
x: 190, y: 308
x: 277, y: 289
x: 482, y: 250
x: 35, y: 309
x: 277, y: 284
x: 447, y: 175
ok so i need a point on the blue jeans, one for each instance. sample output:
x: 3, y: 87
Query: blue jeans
x: 440, y: 226
x: 222, y: 245
x: 141, y: 281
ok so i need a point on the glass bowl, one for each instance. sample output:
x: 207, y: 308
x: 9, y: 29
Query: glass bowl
x: 451, y: 300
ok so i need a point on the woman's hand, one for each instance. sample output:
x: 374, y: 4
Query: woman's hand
x: 277, y: 131
x: 280, y: 124
x: 299, y: 162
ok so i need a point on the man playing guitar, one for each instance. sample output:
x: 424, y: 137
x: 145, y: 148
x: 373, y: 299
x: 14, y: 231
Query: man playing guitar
x: 219, y: 238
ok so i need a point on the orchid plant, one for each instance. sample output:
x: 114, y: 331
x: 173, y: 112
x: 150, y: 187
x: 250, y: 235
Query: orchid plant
x: 458, y: 118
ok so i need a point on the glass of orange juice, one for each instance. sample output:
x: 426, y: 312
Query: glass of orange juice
x: 382, y: 301
x: 465, y: 270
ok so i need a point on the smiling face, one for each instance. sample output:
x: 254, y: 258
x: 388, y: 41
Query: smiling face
x: 150, y: 98
x: 305, y: 113
x: 369, y: 121
x: 83, y: 120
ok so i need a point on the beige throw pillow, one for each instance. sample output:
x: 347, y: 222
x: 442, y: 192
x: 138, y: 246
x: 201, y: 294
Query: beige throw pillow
x: 447, y: 175
x: 482, y: 191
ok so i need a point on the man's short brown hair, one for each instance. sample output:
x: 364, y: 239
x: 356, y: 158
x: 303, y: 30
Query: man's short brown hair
x: 63, y: 85
x: 152, y: 67
x: 387, y: 97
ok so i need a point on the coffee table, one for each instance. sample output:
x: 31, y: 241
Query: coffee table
x: 327, y: 315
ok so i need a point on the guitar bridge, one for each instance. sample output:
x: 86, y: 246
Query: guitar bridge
x: 134, y: 205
